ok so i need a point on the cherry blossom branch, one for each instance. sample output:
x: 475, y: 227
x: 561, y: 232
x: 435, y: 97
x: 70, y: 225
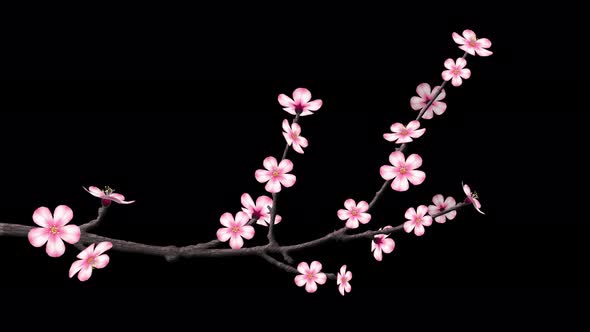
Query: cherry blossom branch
x: 102, y: 211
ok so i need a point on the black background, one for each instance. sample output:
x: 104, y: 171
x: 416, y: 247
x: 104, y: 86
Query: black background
x: 186, y: 150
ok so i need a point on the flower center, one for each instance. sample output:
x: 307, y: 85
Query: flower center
x: 294, y: 136
x: 378, y: 240
x: 442, y: 207
x: 108, y: 190
x: 343, y: 279
x: 298, y: 108
x: 256, y: 214
x: 472, y: 43
x: 53, y: 230
x: 90, y: 261
x: 418, y: 220
x: 275, y: 173
x: 456, y: 72
x: 404, y: 132
x: 354, y: 212
x: 235, y: 229
x: 474, y: 195
x: 403, y: 170
x: 310, y: 276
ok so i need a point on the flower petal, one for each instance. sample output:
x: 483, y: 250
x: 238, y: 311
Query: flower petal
x: 236, y: 242
x: 466, y: 73
x: 76, y: 266
x: 286, y: 126
x: 84, y: 254
x: 42, y: 217
x: 288, y: 180
x: 446, y: 75
x: 300, y: 280
x: 248, y: 232
x: 262, y: 175
x: 241, y: 219
x: 438, y: 199
x: 38, y: 236
x: 461, y: 63
x: 349, y: 204
x: 102, y: 247
x: 311, y: 287
x: 421, y: 211
x: 269, y: 163
x: 388, y: 245
x: 285, y: 166
x: 223, y: 234
x: 469, y: 34
x: 410, y: 213
x: 352, y: 223
x: 285, y: 101
x: 414, y: 161
x: 364, y: 218
x: 418, y: 133
x: 456, y: 81
x: 458, y: 39
x: 315, y: 267
x: 62, y: 215
x: 416, y: 177
x: 387, y: 172
x: 451, y: 215
x: 227, y: 219
x: 400, y: 184
x: 301, y: 95
x: 397, y: 127
x: 391, y: 137
x: 409, y: 226
x: 55, y: 246
x: 247, y: 201
x: 321, y: 278
x: 101, y: 261
x: 85, y: 273
x: 303, y: 268
x: 94, y: 191
x: 483, y: 52
x: 343, y: 214
x: 427, y: 220
x: 378, y: 254
x: 397, y: 158
x: 416, y: 103
x: 298, y: 148
x: 314, y: 105
x: 419, y: 230
x: 413, y: 125
x: 70, y: 233
x: 423, y: 90
x: 362, y: 206
x: 449, y: 63
x: 467, y: 190
x: 273, y: 186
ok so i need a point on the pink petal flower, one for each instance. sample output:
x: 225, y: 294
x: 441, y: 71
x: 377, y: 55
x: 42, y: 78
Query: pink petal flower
x: 456, y: 71
x: 382, y: 244
x: 470, y: 44
x: 235, y: 230
x: 107, y: 195
x: 260, y: 211
x: 90, y: 258
x: 441, y: 204
x: 53, y: 230
x: 301, y: 102
x: 291, y: 134
x: 354, y: 213
x: 310, y: 276
x: 403, y: 171
x: 343, y: 280
x: 275, y: 175
x: 437, y: 107
x: 417, y: 219
x: 472, y: 198
x: 404, y: 134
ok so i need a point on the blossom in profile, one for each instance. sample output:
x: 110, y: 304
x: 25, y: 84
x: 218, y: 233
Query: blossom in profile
x: 90, y: 258
x: 456, y: 71
x: 260, y: 211
x: 292, y: 136
x: 470, y: 44
x: 300, y: 103
x: 276, y: 175
x: 107, y: 195
x: 404, y: 134
x: 472, y: 198
x: 437, y: 107
x: 402, y: 171
x: 54, y: 230
x: 382, y: 244
x: 343, y: 280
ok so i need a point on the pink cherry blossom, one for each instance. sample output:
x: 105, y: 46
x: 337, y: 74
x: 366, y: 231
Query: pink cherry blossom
x: 382, y: 244
x: 343, y: 280
x: 354, y: 213
x: 292, y: 137
x: 437, y: 107
x: 472, y: 198
x: 90, y: 258
x: 107, y: 195
x: 403, y: 170
x: 300, y: 103
x: 456, y: 71
x: 235, y: 230
x: 470, y: 44
x: 404, y: 134
x: 259, y: 211
x: 53, y: 230
x: 417, y: 219
x: 441, y: 204
x: 310, y: 275
x: 275, y: 175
